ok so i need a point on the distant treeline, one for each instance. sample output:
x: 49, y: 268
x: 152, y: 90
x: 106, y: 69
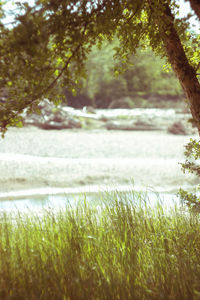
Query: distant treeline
x: 146, y: 81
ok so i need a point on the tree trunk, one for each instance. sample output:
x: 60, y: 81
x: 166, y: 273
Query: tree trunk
x: 195, y: 5
x: 183, y: 70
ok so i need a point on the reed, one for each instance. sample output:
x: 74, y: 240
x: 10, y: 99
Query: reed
x: 124, y: 249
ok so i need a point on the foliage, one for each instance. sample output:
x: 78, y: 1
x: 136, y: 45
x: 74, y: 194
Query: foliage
x: 144, y: 77
x: 124, y: 249
x: 191, y: 165
x: 191, y: 199
x: 49, y: 42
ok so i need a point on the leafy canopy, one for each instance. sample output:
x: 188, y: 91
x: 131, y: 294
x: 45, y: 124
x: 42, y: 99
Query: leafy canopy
x: 49, y: 42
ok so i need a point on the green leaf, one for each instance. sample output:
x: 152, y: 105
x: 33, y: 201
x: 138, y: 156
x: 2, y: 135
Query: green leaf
x: 19, y: 124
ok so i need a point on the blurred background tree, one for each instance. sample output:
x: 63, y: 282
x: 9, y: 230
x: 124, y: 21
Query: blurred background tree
x: 145, y: 82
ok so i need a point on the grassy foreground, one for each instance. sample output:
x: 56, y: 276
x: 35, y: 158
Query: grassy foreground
x: 122, y: 251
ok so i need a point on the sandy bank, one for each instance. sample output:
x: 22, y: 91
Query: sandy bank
x: 33, y: 158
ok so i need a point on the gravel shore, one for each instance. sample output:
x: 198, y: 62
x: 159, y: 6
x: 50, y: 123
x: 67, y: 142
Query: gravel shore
x: 34, y: 158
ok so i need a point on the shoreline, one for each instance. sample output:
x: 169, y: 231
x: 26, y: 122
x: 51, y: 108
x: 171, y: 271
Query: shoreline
x: 88, y: 189
x: 34, y: 161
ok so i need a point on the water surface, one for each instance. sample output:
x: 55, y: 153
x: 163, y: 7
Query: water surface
x: 37, y: 203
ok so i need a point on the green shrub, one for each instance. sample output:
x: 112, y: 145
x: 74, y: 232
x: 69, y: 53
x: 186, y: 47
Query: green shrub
x: 191, y: 165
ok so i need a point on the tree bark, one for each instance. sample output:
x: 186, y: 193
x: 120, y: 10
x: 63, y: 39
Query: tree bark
x: 180, y: 65
x: 195, y: 5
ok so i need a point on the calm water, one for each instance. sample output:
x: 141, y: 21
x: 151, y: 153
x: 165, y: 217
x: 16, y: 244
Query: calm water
x: 58, y: 202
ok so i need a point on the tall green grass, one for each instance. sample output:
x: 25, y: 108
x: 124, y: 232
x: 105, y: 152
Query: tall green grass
x: 123, y: 250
